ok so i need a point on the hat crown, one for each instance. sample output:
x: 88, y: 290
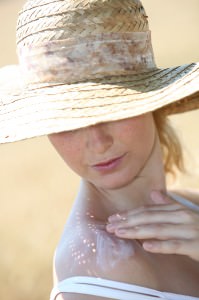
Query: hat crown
x: 46, y: 20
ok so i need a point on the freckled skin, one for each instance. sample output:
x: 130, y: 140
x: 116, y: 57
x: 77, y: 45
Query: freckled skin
x: 89, y: 241
x: 86, y: 247
x: 83, y: 148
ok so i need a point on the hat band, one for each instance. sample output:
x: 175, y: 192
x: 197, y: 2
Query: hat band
x: 75, y: 60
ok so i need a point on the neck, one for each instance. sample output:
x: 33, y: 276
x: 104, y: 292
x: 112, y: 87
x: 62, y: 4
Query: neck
x: 102, y: 203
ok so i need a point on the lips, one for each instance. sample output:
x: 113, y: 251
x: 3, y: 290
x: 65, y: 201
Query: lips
x: 109, y: 165
x: 108, y: 162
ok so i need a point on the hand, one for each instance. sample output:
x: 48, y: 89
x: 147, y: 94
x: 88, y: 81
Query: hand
x: 163, y: 228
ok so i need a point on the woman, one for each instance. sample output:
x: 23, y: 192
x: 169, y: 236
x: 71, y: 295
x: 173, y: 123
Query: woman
x: 124, y: 183
x: 91, y: 84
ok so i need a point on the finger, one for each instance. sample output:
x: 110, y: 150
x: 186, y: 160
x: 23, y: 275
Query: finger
x: 180, y: 216
x: 183, y: 247
x: 159, y: 197
x: 159, y: 232
x: 123, y: 216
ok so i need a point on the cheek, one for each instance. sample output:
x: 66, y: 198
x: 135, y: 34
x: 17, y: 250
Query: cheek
x: 68, y: 148
x: 145, y: 139
x: 139, y: 133
x: 72, y: 155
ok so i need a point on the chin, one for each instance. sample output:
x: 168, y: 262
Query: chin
x: 115, y: 183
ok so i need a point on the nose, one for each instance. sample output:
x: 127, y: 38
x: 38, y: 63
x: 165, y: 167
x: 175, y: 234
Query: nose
x: 98, y: 138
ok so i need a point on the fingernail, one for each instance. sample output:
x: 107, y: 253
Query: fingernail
x: 147, y: 245
x: 110, y: 227
x: 157, y: 197
x: 121, y: 231
x: 116, y: 217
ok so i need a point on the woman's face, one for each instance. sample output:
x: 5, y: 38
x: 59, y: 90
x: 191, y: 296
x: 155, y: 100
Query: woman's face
x: 109, y: 155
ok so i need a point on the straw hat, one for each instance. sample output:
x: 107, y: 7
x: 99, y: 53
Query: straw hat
x: 82, y: 62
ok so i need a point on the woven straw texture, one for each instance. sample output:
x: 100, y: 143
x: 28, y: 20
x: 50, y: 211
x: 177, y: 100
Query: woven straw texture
x: 79, y: 67
x: 56, y: 20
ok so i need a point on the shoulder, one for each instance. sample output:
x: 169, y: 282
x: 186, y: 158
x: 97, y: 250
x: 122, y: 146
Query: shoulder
x: 91, y: 251
x: 75, y: 253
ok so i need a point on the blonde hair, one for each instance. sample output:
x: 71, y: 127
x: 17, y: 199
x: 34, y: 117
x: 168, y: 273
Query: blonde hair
x: 170, y: 143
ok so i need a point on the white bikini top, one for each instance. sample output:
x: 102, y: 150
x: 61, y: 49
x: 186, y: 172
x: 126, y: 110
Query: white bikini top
x: 115, y: 289
x: 112, y: 289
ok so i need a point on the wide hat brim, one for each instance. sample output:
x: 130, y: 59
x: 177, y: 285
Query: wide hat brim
x: 30, y: 111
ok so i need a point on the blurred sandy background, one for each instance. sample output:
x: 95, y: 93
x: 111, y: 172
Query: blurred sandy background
x: 36, y: 188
